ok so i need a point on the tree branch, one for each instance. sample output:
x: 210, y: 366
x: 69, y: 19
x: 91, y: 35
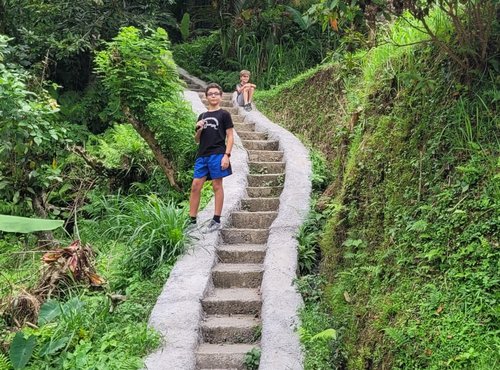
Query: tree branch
x: 150, y: 139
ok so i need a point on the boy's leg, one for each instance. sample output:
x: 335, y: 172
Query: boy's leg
x: 250, y: 94
x: 240, y: 99
x: 194, y: 197
x: 218, y: 195
x: 219, y: 201
x: 246, y: 96
x: 217, y: 174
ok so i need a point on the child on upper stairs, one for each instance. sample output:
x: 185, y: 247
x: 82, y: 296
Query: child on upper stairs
x: 245, y: 90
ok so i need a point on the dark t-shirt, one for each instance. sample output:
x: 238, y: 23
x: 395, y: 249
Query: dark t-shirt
x: 213, y: 136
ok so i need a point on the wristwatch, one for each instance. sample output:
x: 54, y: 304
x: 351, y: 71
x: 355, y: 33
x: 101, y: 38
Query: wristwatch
x: 228, y: 154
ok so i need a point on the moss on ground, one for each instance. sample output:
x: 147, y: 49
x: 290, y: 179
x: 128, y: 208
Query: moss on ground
x: 413, y: 240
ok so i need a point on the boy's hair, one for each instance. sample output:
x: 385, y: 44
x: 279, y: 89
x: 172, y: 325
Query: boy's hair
x: 213, y: 85
x: 244, y: 73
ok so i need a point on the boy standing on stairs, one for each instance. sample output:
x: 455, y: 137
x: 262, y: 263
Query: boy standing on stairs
x: 212, y: 160
x: 245, y: 91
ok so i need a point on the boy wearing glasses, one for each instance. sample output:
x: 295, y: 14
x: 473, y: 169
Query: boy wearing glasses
x: 212, y: 160
x: 245, y: 91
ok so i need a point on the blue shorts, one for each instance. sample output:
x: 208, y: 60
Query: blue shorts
x: 210, y: 167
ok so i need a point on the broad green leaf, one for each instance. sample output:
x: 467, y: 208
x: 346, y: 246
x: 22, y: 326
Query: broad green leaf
x: 49, y: 311
x: 53, y: 346
x: 21, y: 350
x: 16, y: 224
x: 302, y: 21
x: 326, y: 335
x: 184, y: 26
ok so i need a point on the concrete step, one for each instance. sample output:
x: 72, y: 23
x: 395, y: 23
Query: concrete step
x: 253, y: 220
x: 240, y: 125
x: 230, y: 329
x: 232, y: 110
x: 264, y: 192
x: 260, y: 204
x: 265, y: 156
x: 241, y: 253
x: 222, y: 356
x: 252, y: 135
x: 261, y: 144
x: 266, y: 180
x: 267, y: 167
x: 244, y: 236
x: 233, y: 301
x: 237, y: 275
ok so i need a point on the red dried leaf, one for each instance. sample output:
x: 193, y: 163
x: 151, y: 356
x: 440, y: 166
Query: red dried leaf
x: 52, y: 256
x: 334, y: 24
x: 96, y: 280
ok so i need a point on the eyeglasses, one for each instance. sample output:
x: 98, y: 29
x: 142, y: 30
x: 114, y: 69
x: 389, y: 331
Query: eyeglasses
x: 213, y: 94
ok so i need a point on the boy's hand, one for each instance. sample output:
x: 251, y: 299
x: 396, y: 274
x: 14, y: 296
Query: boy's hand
x: 225, y: 162
x: 199, y: 125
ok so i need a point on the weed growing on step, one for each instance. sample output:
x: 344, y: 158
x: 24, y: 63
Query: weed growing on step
x: 252, y: 359
x: 257, y: 333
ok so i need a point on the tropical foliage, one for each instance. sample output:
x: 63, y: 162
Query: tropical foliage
x: 410, y: 236
x: 398, y: 259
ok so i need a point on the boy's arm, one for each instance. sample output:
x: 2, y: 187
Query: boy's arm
x: 198, y: 129
x: 230, y: 140
x: 229, y: 146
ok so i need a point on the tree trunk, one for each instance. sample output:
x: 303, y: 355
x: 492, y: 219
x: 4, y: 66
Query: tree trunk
x: 150, y: 139
x: 45, y: 238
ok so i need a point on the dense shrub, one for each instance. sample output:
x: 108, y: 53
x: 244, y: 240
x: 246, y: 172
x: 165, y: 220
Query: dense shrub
x: 411, y: 241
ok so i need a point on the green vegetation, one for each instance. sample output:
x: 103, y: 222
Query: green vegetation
x: 410, y: 246
x: 252, y: 359
x: 399, y: 99
x: 268, y: 38
x: 116, y: 180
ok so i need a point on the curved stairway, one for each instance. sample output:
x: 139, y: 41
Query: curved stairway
x: 232, y: 306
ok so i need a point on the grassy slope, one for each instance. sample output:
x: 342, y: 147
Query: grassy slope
x: 414, y: 240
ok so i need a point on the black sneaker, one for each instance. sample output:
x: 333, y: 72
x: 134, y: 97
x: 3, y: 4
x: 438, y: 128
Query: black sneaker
x: 248, y: 107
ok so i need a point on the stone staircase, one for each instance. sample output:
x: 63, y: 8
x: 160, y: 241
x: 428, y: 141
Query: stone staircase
x: 232, y: 306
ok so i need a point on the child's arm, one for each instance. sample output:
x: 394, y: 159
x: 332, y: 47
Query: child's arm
x: 198, y: 129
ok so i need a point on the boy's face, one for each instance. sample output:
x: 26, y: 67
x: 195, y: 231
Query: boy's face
x: 214, y: 96
x: 244, y: 78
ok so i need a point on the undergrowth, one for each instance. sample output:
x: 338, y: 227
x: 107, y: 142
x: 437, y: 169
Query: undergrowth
x: 410, y: 247
x: 137, y: 240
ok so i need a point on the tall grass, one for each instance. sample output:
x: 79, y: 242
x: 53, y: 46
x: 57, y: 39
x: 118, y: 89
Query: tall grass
x: 151, y: 228
x: 271, y: 62
x: 393, y: 50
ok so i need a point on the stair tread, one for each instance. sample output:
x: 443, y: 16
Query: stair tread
x: 238, y: 229
x: 234, y: 321
x: 242, y: 247
x: 261, y: 213
x: 264, y: 151
x: 262, y: 141
x: 268, y: 163
x: 207, y: 348
x: 238, y: 267
x: 233, y: 294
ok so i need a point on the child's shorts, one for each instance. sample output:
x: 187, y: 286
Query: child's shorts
x: 240, y: 100
x: 210, y: 167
